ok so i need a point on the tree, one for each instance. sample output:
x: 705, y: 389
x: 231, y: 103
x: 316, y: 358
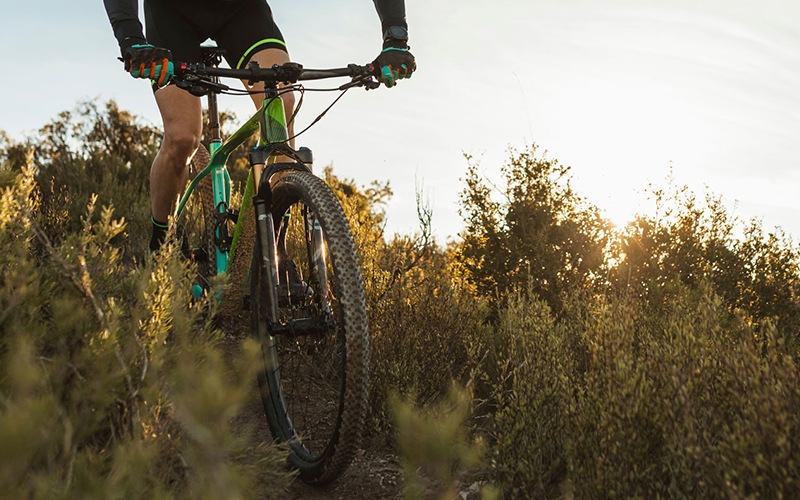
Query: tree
x: 542, y: 233
x: 692, y: 241
x: 91, y: 150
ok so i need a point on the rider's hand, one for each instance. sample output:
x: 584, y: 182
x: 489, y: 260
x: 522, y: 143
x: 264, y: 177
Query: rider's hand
x: 395, y: 63
x: 146, y: 61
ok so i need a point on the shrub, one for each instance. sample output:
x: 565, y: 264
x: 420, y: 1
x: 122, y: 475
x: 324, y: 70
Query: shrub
x: 435, y: 446
x: 691, y: 240
x: 426, y: 330
x: 529, y: 366
x: 423, y: 322
x: 543, y: 234
x: 687, y: 405
x: 110, y: 383
x: 92, y: 151
x: 638, y: 400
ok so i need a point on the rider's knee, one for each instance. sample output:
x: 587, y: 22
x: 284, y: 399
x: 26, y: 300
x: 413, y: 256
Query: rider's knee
x: 181, y: 144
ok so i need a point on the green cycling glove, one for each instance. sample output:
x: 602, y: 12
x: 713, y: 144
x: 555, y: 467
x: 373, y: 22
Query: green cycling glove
x: 395, y: 63
x: 147, y: 61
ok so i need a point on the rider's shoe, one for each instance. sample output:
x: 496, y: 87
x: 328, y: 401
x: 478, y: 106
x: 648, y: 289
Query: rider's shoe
x: 157, y: 243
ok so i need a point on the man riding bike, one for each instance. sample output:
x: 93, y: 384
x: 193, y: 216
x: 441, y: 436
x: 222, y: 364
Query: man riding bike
x: 247, y: 32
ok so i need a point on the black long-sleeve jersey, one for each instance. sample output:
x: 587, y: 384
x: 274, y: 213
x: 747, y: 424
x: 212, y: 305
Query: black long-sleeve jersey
x: 124, y: 14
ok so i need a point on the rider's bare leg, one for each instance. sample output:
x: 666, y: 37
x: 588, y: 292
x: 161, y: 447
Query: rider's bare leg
x: 182, y: 117
x: 181, y: 114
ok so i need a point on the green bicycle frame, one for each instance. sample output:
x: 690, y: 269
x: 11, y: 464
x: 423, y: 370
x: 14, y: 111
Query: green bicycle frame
x: 270, y: 121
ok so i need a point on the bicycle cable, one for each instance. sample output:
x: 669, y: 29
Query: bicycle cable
x: 296, y: 87
x: 225, y: 90
x: 302, y: 90
x: 319, y: 117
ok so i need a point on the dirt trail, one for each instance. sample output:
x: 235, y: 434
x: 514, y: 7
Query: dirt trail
x: 372, y: 475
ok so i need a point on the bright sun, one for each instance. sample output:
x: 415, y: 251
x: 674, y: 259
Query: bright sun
x: 621, y: 135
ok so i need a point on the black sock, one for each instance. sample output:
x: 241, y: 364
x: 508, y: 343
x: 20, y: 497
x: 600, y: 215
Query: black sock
x: 159, y: 234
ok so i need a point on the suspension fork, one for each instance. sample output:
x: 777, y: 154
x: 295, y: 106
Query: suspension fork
x: 265, y: 234
x: 316, y: 252
x: 272, y: 128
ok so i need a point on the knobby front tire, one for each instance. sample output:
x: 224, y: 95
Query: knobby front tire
x: 314, y: 387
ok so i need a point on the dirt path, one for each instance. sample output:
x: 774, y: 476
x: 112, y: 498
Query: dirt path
x: 372, y: 475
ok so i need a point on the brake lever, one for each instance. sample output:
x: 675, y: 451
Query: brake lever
x: 367, y: 82
x: 371, y: 83
x: 200, y: 86
x: 195, y: 90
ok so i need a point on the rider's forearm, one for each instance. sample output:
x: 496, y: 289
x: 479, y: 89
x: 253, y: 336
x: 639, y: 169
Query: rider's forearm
x: 392, y: 13
x: 124, y: 17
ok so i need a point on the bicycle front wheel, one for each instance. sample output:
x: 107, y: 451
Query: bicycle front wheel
x: 315, y: 378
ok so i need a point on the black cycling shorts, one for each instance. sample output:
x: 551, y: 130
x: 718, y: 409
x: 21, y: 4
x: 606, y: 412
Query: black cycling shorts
x: 241, y: 27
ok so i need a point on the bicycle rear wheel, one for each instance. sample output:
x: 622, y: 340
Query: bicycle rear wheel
x: 195, y: 224
x: 315, y: 380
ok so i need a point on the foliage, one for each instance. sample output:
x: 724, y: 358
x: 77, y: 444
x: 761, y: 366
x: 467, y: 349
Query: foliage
x: 420, y: 316
x: 625, y: 400
x: 111, y: 382
x: 688, y: 405
x: 528, y: 369
x: 105, y: 152
x: 435, y: 446
x: 691, y: 241
x: 660, y: 360
x: 669, y: 369
x: 542, y: 232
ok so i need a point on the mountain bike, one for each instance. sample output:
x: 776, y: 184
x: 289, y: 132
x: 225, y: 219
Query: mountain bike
x: 290, y: 239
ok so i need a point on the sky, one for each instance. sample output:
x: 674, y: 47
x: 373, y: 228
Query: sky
x: 625, y: 92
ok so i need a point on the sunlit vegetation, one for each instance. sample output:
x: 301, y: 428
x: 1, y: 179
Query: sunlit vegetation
x: 544, y: 354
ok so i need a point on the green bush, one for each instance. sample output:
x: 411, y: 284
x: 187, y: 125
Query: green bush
x: 541, y: 235
x: 689, y: 405
x: 529, y: 368
x: 691, y: 240
x: 422, y: 319
x: 90, y: 151
x: 627, y: 400
x: 111, y: 384
x: 426, y: 330
x: 435, y: 446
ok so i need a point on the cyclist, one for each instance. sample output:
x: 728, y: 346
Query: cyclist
x: 247, y: 32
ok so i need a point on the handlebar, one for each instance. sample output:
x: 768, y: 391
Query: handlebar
x: 197, y: 77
